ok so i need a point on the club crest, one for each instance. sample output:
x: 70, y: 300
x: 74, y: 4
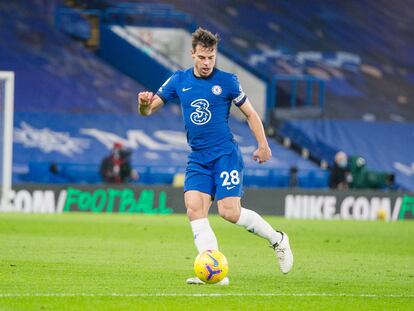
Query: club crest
x: 216, y: 89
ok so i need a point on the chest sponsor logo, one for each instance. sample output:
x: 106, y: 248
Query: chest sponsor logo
x: 201, y: 115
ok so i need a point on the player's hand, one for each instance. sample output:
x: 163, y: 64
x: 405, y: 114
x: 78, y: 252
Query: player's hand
x: 144, y: 98
x: 144, y: 102
x: 262, y: 154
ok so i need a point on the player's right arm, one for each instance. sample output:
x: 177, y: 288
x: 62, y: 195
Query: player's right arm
x: 148, y: 103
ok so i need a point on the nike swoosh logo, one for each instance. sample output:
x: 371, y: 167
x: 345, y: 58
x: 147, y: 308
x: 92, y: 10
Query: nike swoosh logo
x: 229, y: 188
x: 215, y: 261
x: 185, y: 89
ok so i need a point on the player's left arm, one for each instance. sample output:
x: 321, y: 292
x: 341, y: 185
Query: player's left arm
x: 263, y: 153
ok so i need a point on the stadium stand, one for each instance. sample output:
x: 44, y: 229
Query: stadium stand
x: 338, y: 45
x: 158, y: 144
x: 54, y: 72
x: 353, y: 52
x: 64, y: 95
x: 333, y: 40
x: 386, y: 146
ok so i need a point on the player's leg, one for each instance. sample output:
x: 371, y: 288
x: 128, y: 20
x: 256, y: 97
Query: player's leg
x: 198, y: 205
x: 229, y: 184
x: 230, y: 209
x: 199, y: 191
x: 198, y: 194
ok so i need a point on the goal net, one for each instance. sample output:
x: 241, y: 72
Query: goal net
x: 6, y: 136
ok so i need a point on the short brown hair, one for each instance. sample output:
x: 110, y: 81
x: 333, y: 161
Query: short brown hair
x: 204, y: 38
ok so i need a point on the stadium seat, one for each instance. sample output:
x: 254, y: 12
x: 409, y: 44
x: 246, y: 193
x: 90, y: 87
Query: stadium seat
x: 161, y: 174
x: 257, y: 177
x: 81, y: 173
x: 280, y: 178
x: 142, y: 173
x: 320, y: 178
x: 305, y: 179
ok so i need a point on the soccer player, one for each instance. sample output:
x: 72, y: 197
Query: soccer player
x: 215, y: 165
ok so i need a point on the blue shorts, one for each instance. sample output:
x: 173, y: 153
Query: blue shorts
x: 217, y: 171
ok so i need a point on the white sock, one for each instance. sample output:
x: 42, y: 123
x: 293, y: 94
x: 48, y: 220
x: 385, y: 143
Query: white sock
x: 254, y: 223
x: 204, y: 237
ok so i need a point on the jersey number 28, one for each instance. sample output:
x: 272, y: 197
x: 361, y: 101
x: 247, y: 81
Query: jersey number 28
x: 231, y: 178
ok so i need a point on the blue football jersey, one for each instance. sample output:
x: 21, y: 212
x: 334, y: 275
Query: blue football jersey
x: 205, y: 104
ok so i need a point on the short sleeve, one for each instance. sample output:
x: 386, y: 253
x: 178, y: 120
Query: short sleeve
x: 237, y: 95
x: 168, y: 90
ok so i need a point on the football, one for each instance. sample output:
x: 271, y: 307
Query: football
x: 211, y: 266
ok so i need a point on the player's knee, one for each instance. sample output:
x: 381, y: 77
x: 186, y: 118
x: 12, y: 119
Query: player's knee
x: 229, y: 212
x: 194, y: 211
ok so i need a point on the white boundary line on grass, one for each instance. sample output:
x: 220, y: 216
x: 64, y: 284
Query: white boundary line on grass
x: 10, y: 295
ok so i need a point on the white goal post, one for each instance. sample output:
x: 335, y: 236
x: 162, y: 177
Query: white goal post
x: 6, y: 131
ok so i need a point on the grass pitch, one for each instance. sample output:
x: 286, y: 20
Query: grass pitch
x: 80, y: 261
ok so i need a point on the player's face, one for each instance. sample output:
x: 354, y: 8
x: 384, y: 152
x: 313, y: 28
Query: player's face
x: 204, y: 60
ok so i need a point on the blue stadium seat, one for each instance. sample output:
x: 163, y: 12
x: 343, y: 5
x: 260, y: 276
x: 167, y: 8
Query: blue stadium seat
x: 143, y: 172
x: 81, y: 173
x: 280, y: 178
x: 161, y: 174
x: 38, y: 172
x: 305, y: 179
x: 320, y: 178
x: 257, y: 177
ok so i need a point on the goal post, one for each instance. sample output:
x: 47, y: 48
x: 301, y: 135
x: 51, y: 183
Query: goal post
x: 6, y: 136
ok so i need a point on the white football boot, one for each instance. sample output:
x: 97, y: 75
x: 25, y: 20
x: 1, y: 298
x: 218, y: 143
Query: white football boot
x: 284, y: 253
x: 196, y: 281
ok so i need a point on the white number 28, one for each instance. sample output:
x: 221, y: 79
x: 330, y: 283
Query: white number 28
x: 231, y: 178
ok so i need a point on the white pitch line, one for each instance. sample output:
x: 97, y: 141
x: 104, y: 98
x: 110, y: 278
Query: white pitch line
x: 5, y: 295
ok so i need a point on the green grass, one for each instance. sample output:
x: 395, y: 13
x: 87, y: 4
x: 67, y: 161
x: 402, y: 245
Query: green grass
x: 78, y: 261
